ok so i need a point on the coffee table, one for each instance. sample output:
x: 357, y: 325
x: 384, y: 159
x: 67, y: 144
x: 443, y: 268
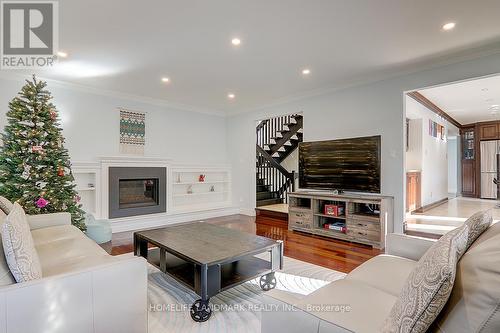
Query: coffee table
x: 208, y: 259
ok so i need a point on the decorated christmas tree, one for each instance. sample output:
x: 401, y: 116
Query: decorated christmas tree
x: 35, y: 168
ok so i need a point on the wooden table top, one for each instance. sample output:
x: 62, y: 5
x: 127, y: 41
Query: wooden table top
x: 206, y: 243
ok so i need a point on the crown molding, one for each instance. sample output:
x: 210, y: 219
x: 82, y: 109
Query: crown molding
x: 417, y: 96
x: 111, y: 93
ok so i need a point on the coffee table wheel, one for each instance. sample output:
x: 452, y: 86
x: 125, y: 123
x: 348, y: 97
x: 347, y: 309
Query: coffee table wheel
x: 267, y: 282
x: 201, y: 311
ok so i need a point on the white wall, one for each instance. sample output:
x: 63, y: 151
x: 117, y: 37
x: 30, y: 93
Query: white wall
x: 91, y: 126
x: 414, y: 153
x: 370, y: 109
x: 453, y: 165
x: 433, y: 152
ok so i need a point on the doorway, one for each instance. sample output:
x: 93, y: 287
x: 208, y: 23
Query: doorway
x: 452, y: 140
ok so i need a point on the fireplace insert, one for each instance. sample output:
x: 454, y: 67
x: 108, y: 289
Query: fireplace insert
x: 136, y: 191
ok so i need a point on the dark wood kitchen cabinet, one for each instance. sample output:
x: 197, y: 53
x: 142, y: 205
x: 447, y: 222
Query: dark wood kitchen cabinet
x: 469, y: 160
x: 489, y: 131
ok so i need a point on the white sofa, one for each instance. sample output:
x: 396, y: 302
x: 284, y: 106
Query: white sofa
x: 83, y: 288
x: 363, y: 299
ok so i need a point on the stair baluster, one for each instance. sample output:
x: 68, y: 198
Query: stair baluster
x: 274, y: 143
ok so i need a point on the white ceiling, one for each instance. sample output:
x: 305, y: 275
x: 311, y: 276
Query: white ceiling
x: 126, y: 46
x: 468, y: 102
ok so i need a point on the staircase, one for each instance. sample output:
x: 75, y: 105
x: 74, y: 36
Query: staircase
x: 277, y: 138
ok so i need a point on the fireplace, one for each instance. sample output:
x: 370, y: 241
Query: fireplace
x: 136, y: 191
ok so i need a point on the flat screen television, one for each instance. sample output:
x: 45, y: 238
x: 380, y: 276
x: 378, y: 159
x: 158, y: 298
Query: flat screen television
x: 345, y: 164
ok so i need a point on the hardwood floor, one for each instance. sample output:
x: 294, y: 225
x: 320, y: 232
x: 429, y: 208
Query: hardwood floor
x: 337, y: 255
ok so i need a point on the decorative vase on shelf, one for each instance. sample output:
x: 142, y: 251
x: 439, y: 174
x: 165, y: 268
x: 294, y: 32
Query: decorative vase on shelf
x: 178, y: 178
x: 190, y: 189
x: 212, y: 188
x: 201, y: 179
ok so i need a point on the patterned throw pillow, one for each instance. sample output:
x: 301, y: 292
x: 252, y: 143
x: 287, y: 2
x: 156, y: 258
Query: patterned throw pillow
x: 5, y: 205
x: 19, y: 247
x: 429, y: 285
x: 478, y: 223
x: 6, y: 277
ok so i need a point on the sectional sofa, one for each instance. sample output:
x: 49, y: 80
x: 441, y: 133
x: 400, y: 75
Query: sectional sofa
x: 82, y: 289
x: 363, y: 300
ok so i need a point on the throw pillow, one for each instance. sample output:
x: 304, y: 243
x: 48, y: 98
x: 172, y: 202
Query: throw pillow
x: 477, y: 224
x: 6, y: 277
x: 19, y: 247
x: 429, y: 285
x: 5, y: 205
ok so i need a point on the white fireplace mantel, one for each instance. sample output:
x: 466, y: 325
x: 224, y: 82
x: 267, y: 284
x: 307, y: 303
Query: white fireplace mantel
x: 125, y: 160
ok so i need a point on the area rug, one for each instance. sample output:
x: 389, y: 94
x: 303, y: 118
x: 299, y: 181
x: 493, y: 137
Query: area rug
x: 236, y: 309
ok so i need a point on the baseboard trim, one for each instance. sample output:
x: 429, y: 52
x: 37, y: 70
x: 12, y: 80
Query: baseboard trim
x: 247, y: 211
x: 427, y: 207
x: 156, y: 220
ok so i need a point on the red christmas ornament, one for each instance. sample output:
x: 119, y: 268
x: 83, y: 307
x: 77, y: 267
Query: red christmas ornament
x: 38, y: 149
x: 53, y: 115
x: 60, y: 172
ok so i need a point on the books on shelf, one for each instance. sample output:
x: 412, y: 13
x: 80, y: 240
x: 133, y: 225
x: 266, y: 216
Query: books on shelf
x: 337, y: 226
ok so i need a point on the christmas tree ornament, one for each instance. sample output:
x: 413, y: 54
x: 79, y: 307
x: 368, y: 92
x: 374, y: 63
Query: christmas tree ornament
x: 33, y: 160
x: 41, y: 202
x: 41, y: 185
x: 78, y: 198
x: 36, y: 149
x: 26, y: 172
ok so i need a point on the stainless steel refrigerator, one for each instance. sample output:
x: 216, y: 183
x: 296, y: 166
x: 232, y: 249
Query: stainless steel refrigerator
x: 489, y: 151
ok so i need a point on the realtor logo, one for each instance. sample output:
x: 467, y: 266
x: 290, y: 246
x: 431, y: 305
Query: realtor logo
x: 29, y: 34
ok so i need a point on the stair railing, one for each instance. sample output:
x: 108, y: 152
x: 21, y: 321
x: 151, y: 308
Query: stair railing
x: 278, y: 178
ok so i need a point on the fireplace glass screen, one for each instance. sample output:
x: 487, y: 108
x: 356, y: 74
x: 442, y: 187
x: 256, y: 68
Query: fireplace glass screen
x: 138, y: 193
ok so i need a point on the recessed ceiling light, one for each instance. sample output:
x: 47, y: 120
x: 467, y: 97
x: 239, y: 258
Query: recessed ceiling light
x: 236, y: 41
x: 62, y: 54
x: 231, y: 96
x: 165, y: 79
x: 306, y: 71
x: 449, y: 26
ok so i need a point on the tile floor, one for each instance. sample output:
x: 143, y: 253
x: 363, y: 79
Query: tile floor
x: 449, y: 215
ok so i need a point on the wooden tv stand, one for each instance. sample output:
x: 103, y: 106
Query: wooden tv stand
x: 363, y: 224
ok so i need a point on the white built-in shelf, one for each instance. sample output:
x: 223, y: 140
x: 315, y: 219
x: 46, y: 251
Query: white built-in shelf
x: 184, y: 179
x: 199, y: 207
x: 84, y: 174
x: 199, y: 183
x: 199, y: 193
x: 85, y: 189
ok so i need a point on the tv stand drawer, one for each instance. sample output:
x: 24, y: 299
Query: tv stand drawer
x: 361, y: 234
x: 364, y: 225
x: 300, y: 219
